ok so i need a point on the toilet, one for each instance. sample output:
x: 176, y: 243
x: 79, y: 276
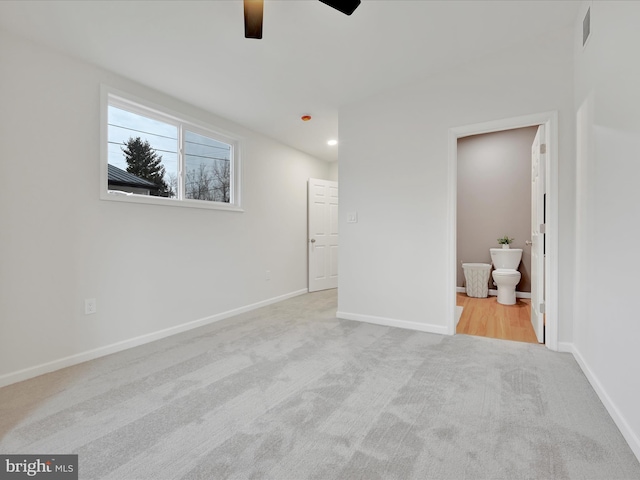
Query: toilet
x: 506, y: 275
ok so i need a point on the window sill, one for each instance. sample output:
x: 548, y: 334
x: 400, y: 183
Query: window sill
x: 167, y: 202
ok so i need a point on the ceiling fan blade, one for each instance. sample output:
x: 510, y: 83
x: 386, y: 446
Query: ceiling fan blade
x: 345, y: 6
x: 253, y: 10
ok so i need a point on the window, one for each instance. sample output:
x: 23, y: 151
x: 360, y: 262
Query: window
x: 153, y: 156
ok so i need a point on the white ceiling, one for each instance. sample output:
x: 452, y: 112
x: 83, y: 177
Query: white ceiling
x: 312, y: 59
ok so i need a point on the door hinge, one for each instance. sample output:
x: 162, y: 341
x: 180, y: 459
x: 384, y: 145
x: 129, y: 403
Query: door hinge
x: 543, y: 148
x: 542, y: 308
x: 543, y: 228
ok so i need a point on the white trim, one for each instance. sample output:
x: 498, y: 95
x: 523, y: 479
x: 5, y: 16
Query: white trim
x: 494, y: 293
x: 43, y: 368
x: 459, y: 311
x: 114, y: 196
x: 626, y: 430
x: 392, y: 322
x: 565, y: 347
x: 550, y: 120
x: 452, y: 231
x: 551, y: 233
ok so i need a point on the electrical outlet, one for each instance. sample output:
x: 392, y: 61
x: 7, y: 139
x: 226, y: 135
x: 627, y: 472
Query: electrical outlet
x: 90, y: 306
x: 267, y: 275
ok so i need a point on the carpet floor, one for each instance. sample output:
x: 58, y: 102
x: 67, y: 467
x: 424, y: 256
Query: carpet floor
x: 290, y: 392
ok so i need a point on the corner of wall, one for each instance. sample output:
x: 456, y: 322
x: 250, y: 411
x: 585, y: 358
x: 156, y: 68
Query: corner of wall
x: 617, y: 416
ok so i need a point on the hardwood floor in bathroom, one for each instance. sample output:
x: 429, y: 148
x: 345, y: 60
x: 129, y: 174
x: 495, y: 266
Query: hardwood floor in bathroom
x: 485, y: 317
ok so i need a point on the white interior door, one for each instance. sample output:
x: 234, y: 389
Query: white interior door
x: 323, y: 234
x: 538, y: 152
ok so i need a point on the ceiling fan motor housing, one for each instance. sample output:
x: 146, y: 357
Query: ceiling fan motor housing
x: 254, y: 10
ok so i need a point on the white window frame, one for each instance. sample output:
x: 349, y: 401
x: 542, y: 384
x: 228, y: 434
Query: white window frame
x: 110, y: 96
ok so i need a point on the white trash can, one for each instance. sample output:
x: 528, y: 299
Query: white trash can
x: 476, y: 277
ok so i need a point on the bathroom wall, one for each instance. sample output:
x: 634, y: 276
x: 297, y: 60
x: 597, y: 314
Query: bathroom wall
x: 494, y: 197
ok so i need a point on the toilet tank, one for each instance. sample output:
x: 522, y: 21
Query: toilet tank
x: 508, y: 258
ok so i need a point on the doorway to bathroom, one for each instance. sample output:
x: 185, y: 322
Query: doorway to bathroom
x: 502, y: 179
x: 494, y: 204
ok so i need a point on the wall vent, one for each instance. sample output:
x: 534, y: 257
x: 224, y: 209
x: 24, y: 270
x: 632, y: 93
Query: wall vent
x: 586, y: 27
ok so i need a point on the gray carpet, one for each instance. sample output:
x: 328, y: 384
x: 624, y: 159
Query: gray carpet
x: 290, y: 392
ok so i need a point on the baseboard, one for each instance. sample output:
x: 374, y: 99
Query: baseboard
x: 565, y: 347
x: 618, y: 418
x: 458, y: 314
x: 392, y: 322
x: 494, y: 293
x: 27, y: 373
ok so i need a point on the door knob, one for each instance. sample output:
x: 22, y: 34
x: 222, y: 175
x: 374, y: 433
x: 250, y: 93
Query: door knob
x: 313, y: 240
x: 528, y: 242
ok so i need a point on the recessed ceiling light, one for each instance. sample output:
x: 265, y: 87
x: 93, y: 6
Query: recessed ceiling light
x: 332, y: 142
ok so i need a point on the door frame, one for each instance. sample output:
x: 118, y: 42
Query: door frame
x: 550, y: 121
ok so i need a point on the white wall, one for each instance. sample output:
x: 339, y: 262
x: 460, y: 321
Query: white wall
x: 393, y: 173
x: 333, y: 172
x: 607, y: 101
x: 149, y: 267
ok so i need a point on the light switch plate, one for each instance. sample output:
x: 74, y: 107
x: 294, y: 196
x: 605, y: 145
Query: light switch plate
x: 352, y: 217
